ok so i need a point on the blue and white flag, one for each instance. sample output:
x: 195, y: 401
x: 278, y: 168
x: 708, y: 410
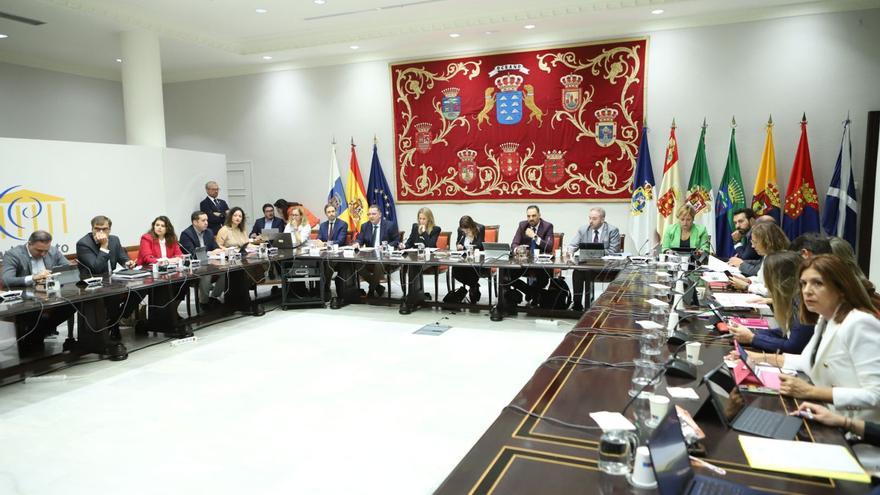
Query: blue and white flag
x: 336, y: 196
x: 378, y: 191
x: 643, y: 205
x: 841, y: 210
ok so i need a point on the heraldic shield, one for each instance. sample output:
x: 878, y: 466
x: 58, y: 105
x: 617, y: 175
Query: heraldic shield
x: 700, y: 200
x: 509, y: 160
x: 508, y: 106
x: 467, y: 166
x: 423, y: 137
x: 571, y: 92
x: 451, y: 105
x: 554, y: 166
x: 606, y: 127
x: 640, y: 198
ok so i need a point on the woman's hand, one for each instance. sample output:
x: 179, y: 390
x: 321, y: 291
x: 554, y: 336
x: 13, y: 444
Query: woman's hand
x: 819, y: 414
x: 742, y: 334
x: 759, y: 300
x: 795, y: 387
x: 459, y: 247
x: 739, y: 282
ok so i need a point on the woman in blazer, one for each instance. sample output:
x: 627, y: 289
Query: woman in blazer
x: 470, y: 235
x: 686, y: 233
x: 767, y: 238
x: 843, y: 356
x: 424, y: 231
x: 298, y: 225
x: 160, y: 242
x: 233, y: 233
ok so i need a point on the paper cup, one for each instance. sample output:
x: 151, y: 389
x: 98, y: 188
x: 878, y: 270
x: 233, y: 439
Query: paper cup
x: 692, y: 350
x: 659, y: 406
x: 643, y: 471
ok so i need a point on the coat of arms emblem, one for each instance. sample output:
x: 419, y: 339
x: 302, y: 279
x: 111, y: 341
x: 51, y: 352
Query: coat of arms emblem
x: 571, y: 92
x: 606, y: 127
x: 423, y: 137
x: 451, y: 105
x: 467, y: 167
x: 509, y: 160
x: 554, y: 166
x: 509, y: 102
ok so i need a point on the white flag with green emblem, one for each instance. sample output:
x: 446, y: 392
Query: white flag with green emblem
x: 699, y: 193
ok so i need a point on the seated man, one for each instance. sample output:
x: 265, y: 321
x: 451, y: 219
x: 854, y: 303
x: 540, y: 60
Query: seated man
x: 373, y: 234
x: 99, y: 253
x: 810, y: 244
x: 534, y: 233
x: 269, y: 221
x: 597, y: 230
x: 26, y: 266
x: 199, y: 235
x: 333, y: 230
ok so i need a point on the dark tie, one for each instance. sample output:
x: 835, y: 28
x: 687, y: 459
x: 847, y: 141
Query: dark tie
x: 376, y: 235
x: 534, y: 244
x: 595, y: 236
x: 330, y: 230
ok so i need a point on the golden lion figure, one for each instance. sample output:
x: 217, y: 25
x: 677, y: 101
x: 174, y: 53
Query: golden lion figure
x: 487, y: 107
x: 529, y: 101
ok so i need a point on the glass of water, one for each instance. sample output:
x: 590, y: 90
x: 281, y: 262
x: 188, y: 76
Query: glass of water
x: 616, y: 451
x: 650, y: 344
x: 645, y: 377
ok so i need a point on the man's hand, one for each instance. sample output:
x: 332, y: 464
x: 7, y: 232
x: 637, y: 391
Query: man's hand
x: 43, y: 275
x: 102, y: 239
x: 531, y: 233
x: 217, y: 214
x: 735, y: 261
x: 130, y: 264
x: 736, y: 235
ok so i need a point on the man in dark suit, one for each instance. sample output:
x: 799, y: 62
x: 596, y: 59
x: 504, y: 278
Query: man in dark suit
x: 215, y: 207
x: 99, y: 252
x: 534, y: 233
x: 334, y: 230
x: 597, y: 230
x: 373, y: 234
x: 29, y: 265
x: 269, y: 221
x: 199, y: 235
x: 745, y: 257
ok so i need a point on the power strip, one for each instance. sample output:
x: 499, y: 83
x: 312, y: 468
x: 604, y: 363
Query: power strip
x: 45, y: 379
x: 185, y: 340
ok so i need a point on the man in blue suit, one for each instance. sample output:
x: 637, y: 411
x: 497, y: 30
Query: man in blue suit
x: 215, y: 207
x: 199, y: 235
x: 269, y: 221
x: 334, y: 230
x: 373, y: 234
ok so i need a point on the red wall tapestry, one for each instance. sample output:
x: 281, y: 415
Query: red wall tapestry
x: 557, y: 124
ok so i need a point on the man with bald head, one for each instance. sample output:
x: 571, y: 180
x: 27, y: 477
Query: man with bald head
x: 215, y: 207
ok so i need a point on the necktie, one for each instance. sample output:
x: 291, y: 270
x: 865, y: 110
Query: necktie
x: 376, y: 235
x: 330, y: 230
x: 534, y: 244
x: 595, y: 236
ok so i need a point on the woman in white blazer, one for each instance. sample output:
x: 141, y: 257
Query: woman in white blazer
x: 298, y: 225
x: 843, y: 357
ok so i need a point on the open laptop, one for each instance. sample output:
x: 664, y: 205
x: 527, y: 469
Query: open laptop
x: 496, y: 250
x: 672, y: 465
x: 201, y: 254
x: 590, y: 251
x: 269, y: 234
x: 284, y: 241
x: 65, y: 274
x: 731, y: 407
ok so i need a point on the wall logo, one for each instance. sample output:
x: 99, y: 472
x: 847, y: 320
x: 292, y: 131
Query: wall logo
x: 23, y: 211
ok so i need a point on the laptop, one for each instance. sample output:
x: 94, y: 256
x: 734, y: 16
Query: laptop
x: 284, y: 241
x: 672, y: 465
x: 201, y: 254
x: 590, y: 250
x: 731, y: 407
x: 269, y: 234
x: 496, y: 250
x: 65, y: 274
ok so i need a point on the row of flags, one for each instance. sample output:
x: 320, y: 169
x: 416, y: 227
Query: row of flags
x: 353, y: 200
x: 653, y: 211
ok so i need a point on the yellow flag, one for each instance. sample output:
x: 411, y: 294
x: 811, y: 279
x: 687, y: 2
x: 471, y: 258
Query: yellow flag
x: 765, y: 196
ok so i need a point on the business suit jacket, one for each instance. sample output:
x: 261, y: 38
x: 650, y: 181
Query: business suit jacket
x: 848, y: 360
x: 214, y: 222
x: 477, y: 242
x: 340, y: 231
x: 260, y: 224
x: 545, y: 233
x: 750, y: 268
x: 609, y: 235
x: 189, y: 240
x: 429, y: 239
x: 17, y: 264
x: 93, y: 261
x: 387, y: 232
x: 150, y: 251
x: 699, y: 237
x: 744, y: 249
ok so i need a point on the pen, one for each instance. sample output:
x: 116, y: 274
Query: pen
x: 807, y: 413
x: 709, y: 466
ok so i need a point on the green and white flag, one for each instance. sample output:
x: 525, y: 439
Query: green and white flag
x: 699, y: 194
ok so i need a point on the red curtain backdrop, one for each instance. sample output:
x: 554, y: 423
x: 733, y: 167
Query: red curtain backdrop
x: 560, y: 124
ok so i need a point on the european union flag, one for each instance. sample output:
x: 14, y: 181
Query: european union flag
x: 378, y: 191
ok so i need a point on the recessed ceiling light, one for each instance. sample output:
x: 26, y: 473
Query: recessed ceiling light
x: 119, y: 60
x: 320, y: 2
x: 529, y: 26
x: 261, y: 11
x: 3, y: 36
x: 657, y: 11
x: 454, y: 35
x: 267, y: 57
x: 489, y: 33
x: 354, y: 47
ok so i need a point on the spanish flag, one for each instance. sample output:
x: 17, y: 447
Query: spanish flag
x: 356, y: 214
x: 765, y: 196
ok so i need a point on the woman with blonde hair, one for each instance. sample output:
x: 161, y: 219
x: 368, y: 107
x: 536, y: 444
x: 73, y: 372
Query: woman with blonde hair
x: 298, y: 225
x: 686, y: 233
x: 423, y: 231
x: 767, y: 238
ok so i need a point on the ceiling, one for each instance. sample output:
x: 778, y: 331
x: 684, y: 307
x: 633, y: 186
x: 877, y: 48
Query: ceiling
x: 215, y: 38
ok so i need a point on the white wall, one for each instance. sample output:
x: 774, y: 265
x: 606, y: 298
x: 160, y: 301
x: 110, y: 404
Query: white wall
x: 130, y: 184
x: 43, y: 104
x: 823, y: 65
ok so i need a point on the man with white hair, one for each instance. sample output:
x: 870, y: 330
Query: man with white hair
x: 596, y: 231
x: 215, y: 207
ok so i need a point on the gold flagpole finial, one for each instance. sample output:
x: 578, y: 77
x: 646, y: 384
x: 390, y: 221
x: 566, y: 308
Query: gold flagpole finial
x: 770, y: 121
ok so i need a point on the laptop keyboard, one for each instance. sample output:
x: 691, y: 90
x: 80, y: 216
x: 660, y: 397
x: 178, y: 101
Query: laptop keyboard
x: 711, y: 486
x: 758, y: 421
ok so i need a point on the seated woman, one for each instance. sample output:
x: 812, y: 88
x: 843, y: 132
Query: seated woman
x: 780, y: 275
x: 470, y: 235
x: 160, y: 242
x: 685, y: 233
x: 233, y: 233
x: 423, y: 232
x: 298, y: 225
x: 767, y: 238
x: 843, y: 356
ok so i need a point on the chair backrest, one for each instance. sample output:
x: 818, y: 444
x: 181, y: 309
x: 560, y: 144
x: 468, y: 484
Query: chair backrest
x: 622, y: 242
x: 348, y: 237
x: 443, y: 240
x: 314, y: 234
x: 491, y: 233
x: 557, y: 240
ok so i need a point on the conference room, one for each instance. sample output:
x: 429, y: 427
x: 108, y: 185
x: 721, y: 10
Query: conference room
x: 448, y: 247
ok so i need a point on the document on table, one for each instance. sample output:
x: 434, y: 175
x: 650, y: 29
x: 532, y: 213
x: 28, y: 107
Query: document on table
x: 714, y: 277
x: 716, y: 265
x: 612, y: 421
x: 807, y: 458
x: 737, y: 299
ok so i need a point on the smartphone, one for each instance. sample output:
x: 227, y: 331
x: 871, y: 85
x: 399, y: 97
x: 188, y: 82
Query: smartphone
x: 727, y: 272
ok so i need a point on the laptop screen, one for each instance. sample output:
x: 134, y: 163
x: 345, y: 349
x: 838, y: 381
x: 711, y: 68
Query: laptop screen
x: 669, y: 456
x: 725, y: 394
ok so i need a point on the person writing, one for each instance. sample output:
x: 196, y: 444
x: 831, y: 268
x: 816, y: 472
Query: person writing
x: 686, y: 233
x: 423, y: 231
x: 471, y: 235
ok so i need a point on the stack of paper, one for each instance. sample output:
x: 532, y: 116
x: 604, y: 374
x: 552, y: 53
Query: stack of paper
x: 806, y: 458
x: 737, y: 300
